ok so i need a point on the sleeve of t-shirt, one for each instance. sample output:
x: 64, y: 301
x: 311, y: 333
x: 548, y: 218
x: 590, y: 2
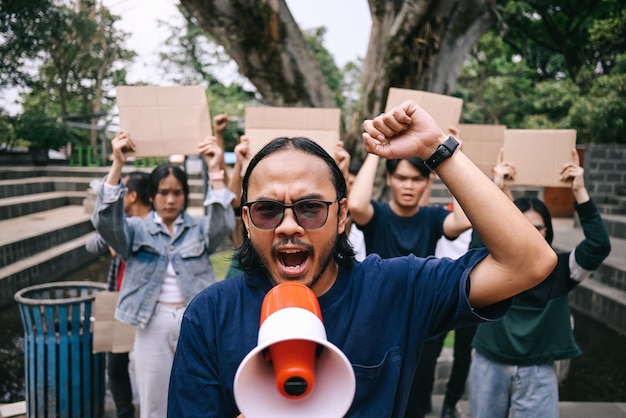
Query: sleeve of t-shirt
x: 449, y: 283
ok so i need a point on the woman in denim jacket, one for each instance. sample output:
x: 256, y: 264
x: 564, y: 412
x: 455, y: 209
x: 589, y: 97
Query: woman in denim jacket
x: 167, y: 259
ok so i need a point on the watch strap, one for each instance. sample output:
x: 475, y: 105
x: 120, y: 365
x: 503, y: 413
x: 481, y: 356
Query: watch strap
x: 443, y: 152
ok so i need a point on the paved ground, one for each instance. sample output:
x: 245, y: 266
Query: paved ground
x: 567, y: 409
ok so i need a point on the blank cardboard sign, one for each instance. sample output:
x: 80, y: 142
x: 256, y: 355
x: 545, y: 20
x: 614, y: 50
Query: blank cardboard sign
x: 539, y: 154
x: 482, y: 144
x: 164, y: 120
x: 445, y: 110
x: 109, y: 334
x: 318, y: 124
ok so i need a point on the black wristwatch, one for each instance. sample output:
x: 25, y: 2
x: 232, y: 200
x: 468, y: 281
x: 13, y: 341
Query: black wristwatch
x: 443, y: 152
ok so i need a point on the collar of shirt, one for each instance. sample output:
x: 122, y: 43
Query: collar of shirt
x: 177, y: 222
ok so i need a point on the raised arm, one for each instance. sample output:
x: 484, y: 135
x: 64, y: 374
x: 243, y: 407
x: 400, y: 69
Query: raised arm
x: 213, y: 156
x: 220, y: 123
x: 456, y: 222
x: 108, y: 216
x: 519, y: 256
x: 503, y: 172
x: 596, y: 246
x: 122, y: 144
x: 359, y: 201
x: 242, y: 155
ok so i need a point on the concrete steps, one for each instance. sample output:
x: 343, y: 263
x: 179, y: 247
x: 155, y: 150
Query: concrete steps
x: 28, y: 235
x: 43, y: 267
x: 45, y: 220
x: 43, y: 225
x: 14, y: 207
x: 615, y: 224
x: 603, y: 295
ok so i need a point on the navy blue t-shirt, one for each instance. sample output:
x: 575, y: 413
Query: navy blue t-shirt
x: 378, y: 313
x: 390, y: 235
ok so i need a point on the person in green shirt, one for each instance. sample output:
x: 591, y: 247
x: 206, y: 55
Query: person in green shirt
x: 513, y: 368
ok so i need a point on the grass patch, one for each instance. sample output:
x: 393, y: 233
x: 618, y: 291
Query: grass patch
x: 449, y: 341
x: 221, y: 263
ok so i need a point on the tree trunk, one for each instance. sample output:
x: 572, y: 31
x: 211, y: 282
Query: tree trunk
x: 264, y: 40
x: 415, y: 44
x: 419, y: 45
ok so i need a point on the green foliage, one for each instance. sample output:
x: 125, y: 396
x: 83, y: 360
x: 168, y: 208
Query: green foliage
x: 332, y: 74
x: 8, y: 138
x: 42, y: 132
x: 600, y: 116
x: 24, y: 25
x: 558, y: 38
x: 77, y: 48
x: 553, y: 65
x: 495, y: 86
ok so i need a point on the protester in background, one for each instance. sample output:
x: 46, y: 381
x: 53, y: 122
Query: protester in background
x: 379, y: 311
x: 167, y: 259
x: 136, y: 203
x: 401, y: 226
x: 513, y: 372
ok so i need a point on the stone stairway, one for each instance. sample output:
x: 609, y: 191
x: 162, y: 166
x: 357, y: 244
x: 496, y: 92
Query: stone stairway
x: 45, y: 222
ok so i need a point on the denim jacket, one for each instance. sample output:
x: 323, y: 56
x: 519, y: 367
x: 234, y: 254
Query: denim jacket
x: 147, y: 249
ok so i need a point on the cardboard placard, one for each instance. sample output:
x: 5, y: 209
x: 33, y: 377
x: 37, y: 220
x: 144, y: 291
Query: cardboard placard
x: 109, y: 334
x: 445, y: 110
x: 322, y: 125
x: 539, y: 154
x: 13, y: 409
x: 163, y: 121
x: 482, y: 144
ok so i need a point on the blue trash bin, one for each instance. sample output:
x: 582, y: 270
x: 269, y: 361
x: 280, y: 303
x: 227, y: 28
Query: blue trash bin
x: 63, y: 377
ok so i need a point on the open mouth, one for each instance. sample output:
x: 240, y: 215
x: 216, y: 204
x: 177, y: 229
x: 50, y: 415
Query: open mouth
x: 293, y: 259
x: 293, y: 263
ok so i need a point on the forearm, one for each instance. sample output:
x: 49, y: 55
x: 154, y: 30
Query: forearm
x: 108, y: 216
x: 235, y: 184
x: 458, y: 222
x: 514, y: 245
x: 220, y: 218
x: 363, y: 187
x: 115, y: 173
x: 591, y: 251
x: 217, y: 175
x: 581, y: 195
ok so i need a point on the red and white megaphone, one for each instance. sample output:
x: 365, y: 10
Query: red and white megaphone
x: 293, y: 371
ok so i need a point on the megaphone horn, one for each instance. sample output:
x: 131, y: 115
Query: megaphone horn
x: 293, y: 370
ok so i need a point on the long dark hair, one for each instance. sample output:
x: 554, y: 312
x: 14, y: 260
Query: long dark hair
x: 246, y: 256
x: 526, y: 203
x: 163, y: 171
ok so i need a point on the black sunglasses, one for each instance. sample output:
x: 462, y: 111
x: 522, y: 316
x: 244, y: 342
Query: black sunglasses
x: 309, y: 213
